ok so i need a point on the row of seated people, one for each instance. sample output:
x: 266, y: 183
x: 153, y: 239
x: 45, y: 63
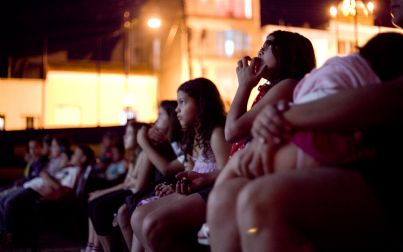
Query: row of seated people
x: 169, y: 214
x: 52, y: 174
x: 162, y: 202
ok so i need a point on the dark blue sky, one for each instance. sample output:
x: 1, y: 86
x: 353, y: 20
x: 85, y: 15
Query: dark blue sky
x: 314, y: 12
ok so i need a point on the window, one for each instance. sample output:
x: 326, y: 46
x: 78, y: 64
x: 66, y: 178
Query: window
x: 29, y: 122
x: 223, y: 8
x: 232, y: 43
x: 2, y: 122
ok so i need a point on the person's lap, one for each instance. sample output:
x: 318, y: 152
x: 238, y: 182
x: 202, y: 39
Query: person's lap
x: 328, y: 205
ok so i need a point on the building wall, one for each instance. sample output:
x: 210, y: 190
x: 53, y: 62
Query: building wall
x: 78, y: 99
x: 20, y: 98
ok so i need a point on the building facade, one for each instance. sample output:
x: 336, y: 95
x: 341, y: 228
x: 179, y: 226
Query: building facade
x: 196, y: 38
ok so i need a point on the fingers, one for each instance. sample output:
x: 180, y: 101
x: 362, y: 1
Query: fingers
x: 244, y: 163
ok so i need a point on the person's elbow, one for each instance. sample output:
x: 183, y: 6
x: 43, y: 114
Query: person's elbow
x: 230, y: 133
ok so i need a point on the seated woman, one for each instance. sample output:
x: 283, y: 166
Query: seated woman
x: 284, y: 59
x: 105, y: 204
x: 262, y: 159
x: 171, y: 222
x: 19, y: 206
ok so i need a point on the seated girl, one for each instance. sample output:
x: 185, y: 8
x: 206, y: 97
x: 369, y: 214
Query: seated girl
x: 284, y: 59
x: 171, y: 222
x: 105, y: 204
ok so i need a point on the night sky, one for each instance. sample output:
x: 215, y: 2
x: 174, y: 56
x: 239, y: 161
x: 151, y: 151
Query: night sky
x: 312, y: 12
x: 68, y: 23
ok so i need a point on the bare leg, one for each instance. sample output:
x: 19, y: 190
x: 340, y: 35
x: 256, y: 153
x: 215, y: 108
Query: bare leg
x: 170, y: 222
x: 124, y: 225
x: 106, y: 242
x: 221, y: 215
x: 93, y: 241
x: 301, y: 210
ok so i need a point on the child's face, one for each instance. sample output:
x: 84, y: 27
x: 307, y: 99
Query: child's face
x: 186, y: 110
x: 54, y: 149
x: 162, y: 122
x: 35, y: 148
x: 77, y: 157
x: 129, y: 137
x: 266, y: 55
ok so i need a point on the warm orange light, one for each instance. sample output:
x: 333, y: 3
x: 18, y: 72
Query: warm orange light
x: 154, y: 23
x: 370, y: 7
x: 333, y: 11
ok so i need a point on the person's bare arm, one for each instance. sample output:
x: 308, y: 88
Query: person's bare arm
x: 164, y: 165
x: 220, y: 147
x: 239, y: 123
x: 358, y: 108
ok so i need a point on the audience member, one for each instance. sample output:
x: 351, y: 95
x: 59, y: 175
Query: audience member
x: 17, y: 209
x: 173, y: 220
x: 154, y: 141
x: 329, y: 209
x: 283, y: 60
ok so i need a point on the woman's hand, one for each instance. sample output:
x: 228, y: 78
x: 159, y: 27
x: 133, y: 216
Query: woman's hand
x: 249, y: 72
x: 270, y: 125
x: 189, y: 181
x: 164, y: 189
x: 256, y: 160
x: 156, y: 136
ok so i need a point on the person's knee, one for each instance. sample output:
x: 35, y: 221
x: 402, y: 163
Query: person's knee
x: 154, y: 230
x: 123, y: 217
x: 219, y: 200
x: 137, y: 219
x: 268, y: 199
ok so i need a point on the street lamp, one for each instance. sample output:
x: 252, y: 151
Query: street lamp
x: 356, y: 11
x: 154, y: 23
x: 334, y: 13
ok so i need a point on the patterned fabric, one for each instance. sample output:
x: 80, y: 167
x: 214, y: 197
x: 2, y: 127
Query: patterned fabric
x: 205, y: 163
x: 263, y: 89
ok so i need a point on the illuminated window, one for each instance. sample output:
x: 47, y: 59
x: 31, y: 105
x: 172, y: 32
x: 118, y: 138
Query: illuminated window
x: 232, y: 43
x: 223, y: 8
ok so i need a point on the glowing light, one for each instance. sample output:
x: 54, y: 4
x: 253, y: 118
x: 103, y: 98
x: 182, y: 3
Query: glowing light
x: 229, y: 47
x: 333, y: 11
x: 370, y: 7
x: 252, y: 230
x: 154, y: 23
x: 248, y: 8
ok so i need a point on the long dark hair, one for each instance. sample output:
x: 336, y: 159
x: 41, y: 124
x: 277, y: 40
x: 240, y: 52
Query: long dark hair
x: 175, y: 130
x: 210, y: 113
x: 294, y: 55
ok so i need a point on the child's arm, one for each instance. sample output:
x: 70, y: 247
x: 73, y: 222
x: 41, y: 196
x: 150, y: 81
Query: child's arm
x: 165, y: 166
x: 239, y: 120
x: 238, y: 124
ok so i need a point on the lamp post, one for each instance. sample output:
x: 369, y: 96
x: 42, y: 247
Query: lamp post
x: 334, y: 14
x: 353, y: 11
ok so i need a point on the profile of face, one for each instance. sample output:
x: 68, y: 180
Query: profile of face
x: 34, y: 148
x: 267, y: 57
x: 396, y: 10
x: 129, y: 137
x: 186, y: 110
x: 162, y: 122
x: 77, y: 158
x: 54, y: 149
